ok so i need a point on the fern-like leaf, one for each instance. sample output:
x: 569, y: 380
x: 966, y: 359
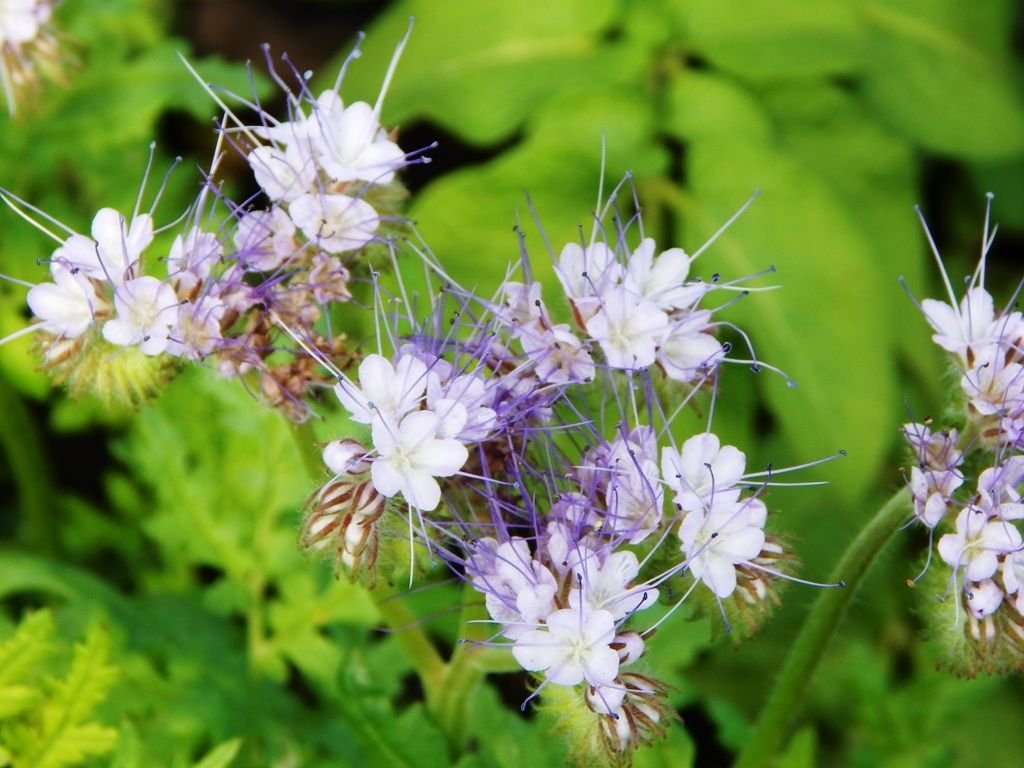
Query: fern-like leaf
x: 58, y: 733
x: 20, y: 660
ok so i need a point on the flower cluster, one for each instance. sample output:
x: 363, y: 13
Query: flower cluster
x: 966, y: 482
x: 225, y: 285
x: 541, y: 462
x: 539, y: 453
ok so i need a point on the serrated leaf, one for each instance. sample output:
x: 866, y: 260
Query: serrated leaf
x: 17, y: 698
x: 61, y: 734
x: 22, y: 655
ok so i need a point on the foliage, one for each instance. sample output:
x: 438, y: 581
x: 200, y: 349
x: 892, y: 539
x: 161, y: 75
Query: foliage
x: 161, y: 543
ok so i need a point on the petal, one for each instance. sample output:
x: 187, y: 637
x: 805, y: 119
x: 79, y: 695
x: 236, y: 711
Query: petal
x: 601, y: 665
x: 535, y: 650
x: 441, y: 458
x: 421, y: 490
x: 719, y: 575
x: 386, y: 478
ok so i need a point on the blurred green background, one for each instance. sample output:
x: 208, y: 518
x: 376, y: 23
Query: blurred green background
x: 165, y: 539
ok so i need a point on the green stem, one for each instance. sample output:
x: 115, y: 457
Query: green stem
x: 772, y: 724
x: 421, y: 653
x: 30, y: 472
x: 465, y: 671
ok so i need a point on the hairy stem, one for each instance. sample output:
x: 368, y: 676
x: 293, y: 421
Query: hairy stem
x: 772, y: 725
x: 420, y: 652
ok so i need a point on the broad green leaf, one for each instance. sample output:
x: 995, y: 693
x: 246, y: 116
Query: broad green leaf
x: 467, y: 217
x: 932, y: 83
x: 874, y: 174
x: 480, y: 69
x: 845, y: 396
x: 707, y: 105
x: 765, y: 39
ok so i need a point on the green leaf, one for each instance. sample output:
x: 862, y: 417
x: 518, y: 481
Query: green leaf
x: 467, y: 217
x: 21, y: 658
x: 767, y: 40
x: 221, y: 756
x: 835, y: 350
x: 938, y: 84
x: 59, y: 734
x: 800, y: 752
x: 480, y: 69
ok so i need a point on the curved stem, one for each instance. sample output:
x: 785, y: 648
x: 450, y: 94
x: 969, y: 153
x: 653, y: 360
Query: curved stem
x: 772, y: 724
x: 30, y: 472
x: 421, y: 653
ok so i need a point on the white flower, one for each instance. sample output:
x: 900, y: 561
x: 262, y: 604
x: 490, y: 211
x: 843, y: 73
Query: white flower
x: 586, y: 274
x: 703, y: 472
x: 192, y: 258
x: 283, y: 173
x: 557, y: 355
x: 389, y: 390
x: 716, y: 541
x: 518, y: 590
x: 662, y: 280
x: 995, y: 387
x: 196, y: 333
x: 628, y: 328
x: 113, y: 252
x: 20, y: 20
x: 573, y: 646
x: 1013, y: 578
x: 146, y: 309
x: 687, y: 352
x: 336, y: 223
x: 463, y: 403
x: 957, y: 329
x: 68, y: 305
x: 931, y: 491
x: 350, y: 143
x: 997, y: 489
x: 605, y: 586
x: 522, y: 308
x: 410, y: 457
x: 977, y: 544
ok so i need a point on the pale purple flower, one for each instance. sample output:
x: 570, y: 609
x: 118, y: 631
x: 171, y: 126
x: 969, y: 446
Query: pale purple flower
x: 716, y: 540
x: 335, y: 223
x: 572, y: 646
x: 410, y: 458
x: 68, y: 305
x: 978, y: 543
x: 703, y: 472
x: 145, y: 311
x: 113, y: 253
